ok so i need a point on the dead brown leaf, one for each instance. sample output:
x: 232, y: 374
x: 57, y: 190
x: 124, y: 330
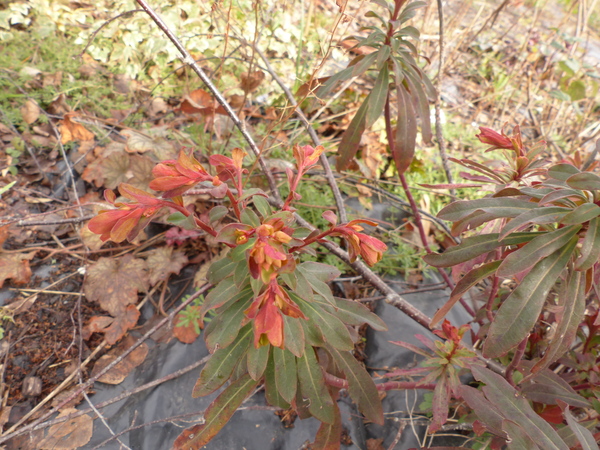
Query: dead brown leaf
x: 141, y: 143
x: 198, y: 101
x: 163, y: 261
x: 16, y: 267
x: 140, y: 170
x: 114, y: 328
x: 91, y: 240
x: 251, y: 81
x: 59, y: 106
x: 30, y: 111
x: 115, y: 169
x: 186, y: 334
x: 118, y: 373
x: 72, y: 434
x: 73, y: 131
x: 115, y: 282
x: 4, y: 234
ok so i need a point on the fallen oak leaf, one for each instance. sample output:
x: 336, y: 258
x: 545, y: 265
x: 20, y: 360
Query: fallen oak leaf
x: 16, y: 267
x: 73, y: 433
x: 73, y: 131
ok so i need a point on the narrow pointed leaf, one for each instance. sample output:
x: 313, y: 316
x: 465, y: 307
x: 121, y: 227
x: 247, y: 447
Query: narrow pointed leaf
x: 474, y: 246
x: 217, y: 415
x: 572, y: 303
x: 221, y: 294
x: 520, y: 310
x: 378, y: 95
x: 221, y: 364
x: 590, y: 249
x: 273, y: 396
x: 499, y: 207
x: 351, y: 137
x: 423, y: 106
x: 581, y: 214
x: 285, y: 374
x: 333, y: 329
x: 562, y: 172
x: 549, y: 214
x: 293, y: 335
x: 257, y: 361
x: 354, y: 313
x: 517, y: 437
x: 562, y: 196
x: 534, y: 251
x: 462, y: 287
x: 514, y: 407
x: 313, y: 388
x: 440, y: 403
x: 360, y: 384
x: 582, y: 434
x: 487, y: 413
x: 585, y: 180
x: 329, y: 435
x: 227, y: 324
x: 406, y: 131
x: 220, y: 269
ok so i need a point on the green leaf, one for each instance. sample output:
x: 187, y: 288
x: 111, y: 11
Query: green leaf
x: 257, y: 360
x: 217, y: 415
x: 464, y: 284
x: 222, y: 330
x: 590, y: 248
x: 316, y: 284
x: 562, y: 172
x: 285, y: 374
x: 293, y: 335
x: 517, y: 437
x: 354, y: 313
x: 486, y: 412
x: 323, y: 272
x: 514, y: 407
x: 351, y: 137
x: 406, y: 131
x: 376, y: 98
x: 180, y: 220
x: 583, y: 213
x: 220, y: 269
x: 536, y: 250
x: 333, y: 329
x: 520, y: 311
x: 216, y: 213
x: 271, y: 392
x: 474, y: 246
x: 312, y: 333
x: 562, y: 196
x: 220, y: 294
x: 363, y: 64
x: 221, y: 364
x: 360, y: 384
x: 422, y: 103
x: 249, y: 217
x: 571, y: 301
x: 498, y: 207
x: 550, y: 214
x: 263, y: 206
x: 576, y: 90
x: 313, y: 388
x: 585, y: 180
x: 578, y: 432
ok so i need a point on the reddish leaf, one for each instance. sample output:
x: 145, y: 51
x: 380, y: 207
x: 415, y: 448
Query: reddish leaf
x: 164, y: 261
x: 351, y: 137
x: 123, y: 322
x: 440, y: 403
x: 115, y: 282
x: 328, y: 436
x: 187, y: 333
x: 217, y: 415
x: 73, y: 131
x: 406, y: 131
x: 16, y: 267
x: 251, y: 81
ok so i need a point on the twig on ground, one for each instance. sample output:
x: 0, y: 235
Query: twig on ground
x: 54, y: 222
x: 398, y: 436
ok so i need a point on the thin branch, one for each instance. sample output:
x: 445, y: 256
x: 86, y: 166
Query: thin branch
x: 54, y: 222
x: 187, y: 58
x: 339, y: 201
x: 125, y: 14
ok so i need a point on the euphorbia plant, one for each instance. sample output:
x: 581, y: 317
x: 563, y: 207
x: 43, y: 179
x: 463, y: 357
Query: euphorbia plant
x: 271, y: 310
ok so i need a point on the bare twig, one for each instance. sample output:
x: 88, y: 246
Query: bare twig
x: 339, y: 201
x: 401, y: 428
x: 54, y: 222
x: 187, y: 58
x: 125, y: 15
x: 438, y: 101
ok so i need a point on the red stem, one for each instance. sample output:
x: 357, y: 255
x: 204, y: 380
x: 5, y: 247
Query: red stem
x: 516, y: 360
x: 340, y: 383
x: 186, y: 213
x: 413, y: 204
x: 234, y: 203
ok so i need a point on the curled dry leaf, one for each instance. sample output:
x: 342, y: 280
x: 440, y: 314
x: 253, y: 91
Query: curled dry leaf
x: 251, y: 81
x: 163, y: 261
x: 30, y: 111
x: 73, y: 433
x: 73, y: 131
x: 16, y: 267
x: 115, y: 282
x: 118, y: 373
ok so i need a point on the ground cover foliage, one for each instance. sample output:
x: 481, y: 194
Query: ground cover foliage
x: 125, y: 180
